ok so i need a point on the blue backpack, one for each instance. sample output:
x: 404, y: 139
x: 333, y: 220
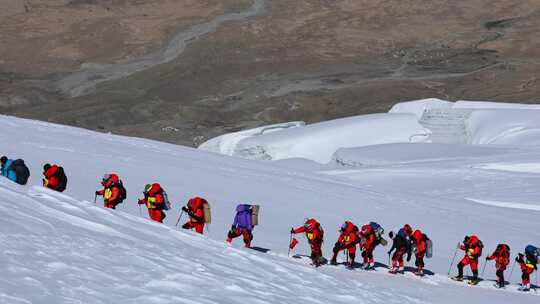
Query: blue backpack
x: 166, y: 203
x: 532, y: 251
x: 379, y: 231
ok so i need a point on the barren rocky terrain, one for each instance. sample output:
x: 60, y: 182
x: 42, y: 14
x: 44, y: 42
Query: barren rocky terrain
x: 186, y: 70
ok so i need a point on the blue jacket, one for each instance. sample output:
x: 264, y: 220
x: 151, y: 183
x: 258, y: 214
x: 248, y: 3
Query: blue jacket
x: 7, y: 172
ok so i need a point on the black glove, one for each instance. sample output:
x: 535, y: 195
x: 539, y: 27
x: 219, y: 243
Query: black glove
x: 233, y: 227
x: 389, y: 252
x: 487, y: 258
x: 97, y: 192
x: 185, y: 209
x: 292, y: 230
x: 518, y: 259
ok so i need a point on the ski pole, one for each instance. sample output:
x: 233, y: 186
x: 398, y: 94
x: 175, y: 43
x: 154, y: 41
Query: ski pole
x: 140, y: 210
x: 178, y: 221
x: 453, y: 259
x: 389, y: 261
x: 512, y: 271
x: 95, y: 199
x: 290, y: 241
x: 346, y: 255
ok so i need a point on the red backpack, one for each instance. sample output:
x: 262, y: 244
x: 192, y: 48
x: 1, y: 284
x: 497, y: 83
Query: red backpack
x: 504, y: 254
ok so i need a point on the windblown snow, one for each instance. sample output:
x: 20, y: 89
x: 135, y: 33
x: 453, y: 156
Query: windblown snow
x: 63, y: 248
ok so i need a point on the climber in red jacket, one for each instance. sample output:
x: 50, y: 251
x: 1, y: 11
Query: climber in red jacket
x: 315, y: 235
x: 347, y: 240
x: 501, y: 255
x: 153, y: 199
x: 195, y: 210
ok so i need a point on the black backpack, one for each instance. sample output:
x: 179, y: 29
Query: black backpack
x: 21, y: 171
x: 62, y: 179
x: 123, y: 192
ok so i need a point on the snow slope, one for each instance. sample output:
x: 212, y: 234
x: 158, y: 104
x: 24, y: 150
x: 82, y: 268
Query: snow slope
x: 60, y: 248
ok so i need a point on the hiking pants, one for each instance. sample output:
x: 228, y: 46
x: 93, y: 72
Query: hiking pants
x: 397, y: 257
x: 419, y: 259
x: 368, y: 256
x: 246, y: 233
x: 156, y: 215
x: 199, y: 227
x: 468, y: 261
x: 526, y: 275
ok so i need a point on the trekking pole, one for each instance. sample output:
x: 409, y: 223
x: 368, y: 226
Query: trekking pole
x: 95, y: 199
x: 290, y: 241
x: 512, y: 271
x: 347, y: 256
x: 140, y: 210
x: 483, y: 269
x: 178, y: 221
x: 453, y: 259
x: 389, y: 261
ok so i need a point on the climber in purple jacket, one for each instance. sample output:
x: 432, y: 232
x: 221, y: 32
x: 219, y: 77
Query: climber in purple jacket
x: 242, y: 225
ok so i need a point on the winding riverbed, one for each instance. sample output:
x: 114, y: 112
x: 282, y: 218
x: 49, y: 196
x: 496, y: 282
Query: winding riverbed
x: 85, y: 80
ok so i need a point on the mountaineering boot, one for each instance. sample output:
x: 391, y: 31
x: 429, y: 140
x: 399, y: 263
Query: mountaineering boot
x: 474, y: 280
x: 457, y: 278
x: 525, y: 288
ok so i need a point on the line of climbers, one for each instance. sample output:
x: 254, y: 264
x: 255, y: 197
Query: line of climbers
x: 405, y: 242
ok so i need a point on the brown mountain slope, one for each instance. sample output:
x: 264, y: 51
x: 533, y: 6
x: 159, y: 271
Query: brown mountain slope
x: 294, y: 60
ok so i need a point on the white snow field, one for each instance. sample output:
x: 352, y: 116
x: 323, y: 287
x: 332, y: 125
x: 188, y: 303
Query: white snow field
x: 63, y: 248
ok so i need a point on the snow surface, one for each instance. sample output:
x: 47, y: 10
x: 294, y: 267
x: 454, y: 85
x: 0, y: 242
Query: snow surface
x: 398, y: 154
x: 61, y: 248
x: 505, y: 127
x: 465, y: 104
